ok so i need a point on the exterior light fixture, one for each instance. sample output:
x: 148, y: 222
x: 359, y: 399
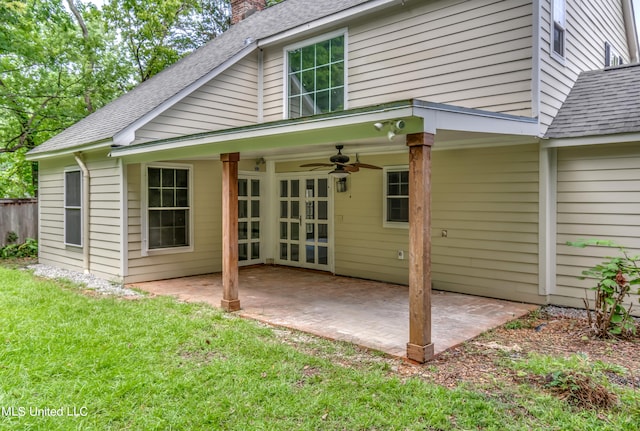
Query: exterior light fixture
x: 391, y: 135
x: 395, y: 126
x: 341, y: 185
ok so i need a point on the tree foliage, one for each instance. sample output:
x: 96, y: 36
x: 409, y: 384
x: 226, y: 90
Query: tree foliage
x: 60, y: 60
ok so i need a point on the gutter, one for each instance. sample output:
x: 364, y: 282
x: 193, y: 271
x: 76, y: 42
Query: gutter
x: 86, y: 183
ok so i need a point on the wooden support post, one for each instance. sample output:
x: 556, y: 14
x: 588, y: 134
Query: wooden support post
x: 230, y: 301
x: 420, y: 347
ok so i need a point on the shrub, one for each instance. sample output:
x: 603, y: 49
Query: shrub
x: 614, y: 280
x: 28, y: 249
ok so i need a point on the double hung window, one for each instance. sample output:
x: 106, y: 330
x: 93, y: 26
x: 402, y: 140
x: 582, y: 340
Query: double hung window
x: 168, y: 207
x: 73, y: 208
x: 396, y: 197
x: 558, y: 28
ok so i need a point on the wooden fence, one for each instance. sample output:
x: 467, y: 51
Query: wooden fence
x: 19, y: 216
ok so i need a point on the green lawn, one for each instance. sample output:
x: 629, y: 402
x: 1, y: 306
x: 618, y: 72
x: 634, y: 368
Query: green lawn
x: 157, y: 364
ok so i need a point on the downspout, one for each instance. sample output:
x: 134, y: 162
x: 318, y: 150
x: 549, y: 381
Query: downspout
x: 86, y: 182
x: 631, y: 29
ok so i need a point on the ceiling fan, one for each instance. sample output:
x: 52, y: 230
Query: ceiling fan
x: 341, y: 163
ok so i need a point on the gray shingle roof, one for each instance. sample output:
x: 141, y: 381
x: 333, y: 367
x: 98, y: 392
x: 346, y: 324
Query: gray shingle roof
x: 122, y: 112
x: 601, y: 102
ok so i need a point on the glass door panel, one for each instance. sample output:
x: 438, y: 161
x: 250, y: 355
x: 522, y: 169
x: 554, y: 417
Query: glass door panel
x: 304, y: 228
x: 249, y: 225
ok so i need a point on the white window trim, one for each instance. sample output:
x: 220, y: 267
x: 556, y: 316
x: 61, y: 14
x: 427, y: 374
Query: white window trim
x: 144, y: 209
x: 385, y: 223
x: 65, y: 207
x: 307, y: 42
x: 558, y: 57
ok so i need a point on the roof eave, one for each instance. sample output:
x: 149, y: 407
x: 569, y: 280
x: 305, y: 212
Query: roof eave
x: 574, y: 141
x: 43, y: 155
x: 419, y: 116
x: 334, y: 19
x: 127, y: 135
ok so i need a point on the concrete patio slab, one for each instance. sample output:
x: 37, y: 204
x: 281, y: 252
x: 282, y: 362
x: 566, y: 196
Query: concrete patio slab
x: 368, y: 313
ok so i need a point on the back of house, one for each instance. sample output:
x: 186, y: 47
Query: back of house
x: 134, y: 192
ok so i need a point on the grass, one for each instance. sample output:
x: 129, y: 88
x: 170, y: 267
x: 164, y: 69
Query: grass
x: 157, y: 364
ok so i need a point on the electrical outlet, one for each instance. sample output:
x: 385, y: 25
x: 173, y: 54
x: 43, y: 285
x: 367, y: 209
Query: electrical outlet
x: 400, y: 254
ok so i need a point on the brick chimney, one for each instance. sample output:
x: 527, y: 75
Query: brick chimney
x: 241, y: 9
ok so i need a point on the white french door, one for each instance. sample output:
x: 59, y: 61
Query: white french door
x: 305, y: 231
x: 249, y: 219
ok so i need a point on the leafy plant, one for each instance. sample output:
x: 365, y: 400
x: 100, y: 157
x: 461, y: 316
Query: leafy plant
x: 615, y: 278
x: 28, y: 249
x: 11, y: 237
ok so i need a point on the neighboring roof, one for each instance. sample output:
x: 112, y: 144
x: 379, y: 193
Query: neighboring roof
x: 116, y: 116
x: 601, y: 102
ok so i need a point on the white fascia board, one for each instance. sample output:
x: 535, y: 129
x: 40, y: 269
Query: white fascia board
x: 330, y: 20
x: 243, y: 134
x: 106, y: 144
x: 591, y: 140
x: 127, y: 135
x: 446, y: 117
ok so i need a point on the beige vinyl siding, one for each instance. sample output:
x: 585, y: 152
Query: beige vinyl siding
x: 104, y: 212
x: 485, y: 199
x: 206, y: 256
x: 228, y: 100
x: 363, y: 247
x: 105, y: 218
x: 487, y: 202
x: 472, y: 54
x: 52, y: 250
x: 598, y: 197
x: 589, y: 24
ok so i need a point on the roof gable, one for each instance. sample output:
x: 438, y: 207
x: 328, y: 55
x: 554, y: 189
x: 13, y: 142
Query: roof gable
x: 601, y: 102
x: 177, y: 81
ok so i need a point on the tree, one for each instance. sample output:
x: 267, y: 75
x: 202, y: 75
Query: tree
x: 60, y: 60
x: 51, y: 75
x: 156, y: 33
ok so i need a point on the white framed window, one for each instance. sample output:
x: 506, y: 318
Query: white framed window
x: 167, y: 202
x: 316, y: 75
x: 611, y: 57
x: 73, y: 207
x: 395, y: 206
x: 558, y: 29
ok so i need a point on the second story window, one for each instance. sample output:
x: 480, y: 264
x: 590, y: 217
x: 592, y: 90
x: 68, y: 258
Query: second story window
x: 316, y: 77
x: 558, y: 27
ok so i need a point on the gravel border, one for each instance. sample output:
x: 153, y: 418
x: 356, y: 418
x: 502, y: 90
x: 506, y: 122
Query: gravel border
x: 89, y: 280
x: 571, y: 313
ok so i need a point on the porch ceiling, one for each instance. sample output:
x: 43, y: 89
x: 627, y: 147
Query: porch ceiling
x: 454, y: 127
x: 368, y: 313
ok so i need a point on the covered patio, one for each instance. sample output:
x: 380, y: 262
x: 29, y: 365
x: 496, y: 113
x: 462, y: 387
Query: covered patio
x: 371, y: 314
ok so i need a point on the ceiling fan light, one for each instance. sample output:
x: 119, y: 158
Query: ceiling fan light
x: 339, y: 173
